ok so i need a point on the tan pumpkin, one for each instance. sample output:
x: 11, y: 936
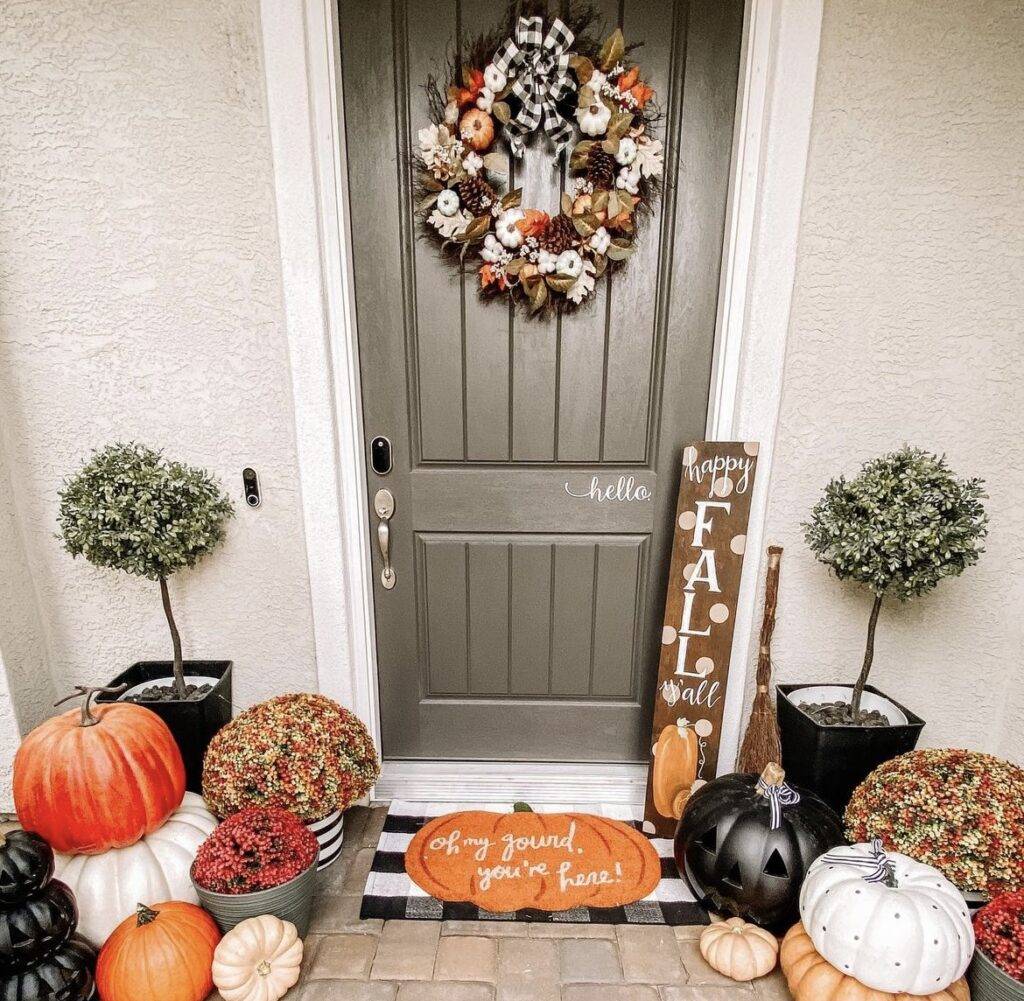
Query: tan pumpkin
x: 812, y: 978
x: 738, y: 949
x: 258, y: 960
x: 610, y: 863
x: 675, y: 768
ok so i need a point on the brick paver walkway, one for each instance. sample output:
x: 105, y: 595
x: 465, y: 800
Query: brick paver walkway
x: 351, y: 960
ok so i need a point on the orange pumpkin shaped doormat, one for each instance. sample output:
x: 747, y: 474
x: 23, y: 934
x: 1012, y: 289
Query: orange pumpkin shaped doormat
x: 505, y: 862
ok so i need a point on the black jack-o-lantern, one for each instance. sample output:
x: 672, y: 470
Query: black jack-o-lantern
x: 37, y: 926
x: 63, y: 975
x: 26, y: 865
x: 745, y: 843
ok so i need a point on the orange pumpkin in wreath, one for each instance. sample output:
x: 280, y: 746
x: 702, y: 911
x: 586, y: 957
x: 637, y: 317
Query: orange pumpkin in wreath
x: 550, y: 862
x: 812, y: 978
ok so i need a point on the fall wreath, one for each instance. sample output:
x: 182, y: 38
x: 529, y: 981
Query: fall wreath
x: 532, y: 75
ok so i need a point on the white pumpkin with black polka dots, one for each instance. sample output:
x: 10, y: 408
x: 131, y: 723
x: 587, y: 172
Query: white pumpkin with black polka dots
x: 914, y: 936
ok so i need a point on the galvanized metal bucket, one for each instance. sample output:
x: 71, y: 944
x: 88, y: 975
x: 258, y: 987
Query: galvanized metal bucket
x: 291, y: 901
x: 989, y: 983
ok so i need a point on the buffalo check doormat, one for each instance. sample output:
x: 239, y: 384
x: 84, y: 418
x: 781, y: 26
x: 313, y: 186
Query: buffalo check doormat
x: 583, y: 860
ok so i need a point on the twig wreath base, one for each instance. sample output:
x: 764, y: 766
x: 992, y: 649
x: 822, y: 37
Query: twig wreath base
x: 551, y: 76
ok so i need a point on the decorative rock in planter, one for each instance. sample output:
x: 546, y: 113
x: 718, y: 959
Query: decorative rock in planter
x: 890, y: 922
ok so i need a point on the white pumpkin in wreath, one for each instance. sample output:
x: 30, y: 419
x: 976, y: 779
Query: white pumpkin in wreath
x: 258, y: 960
x: 889, y: 921
x: 108, y: 887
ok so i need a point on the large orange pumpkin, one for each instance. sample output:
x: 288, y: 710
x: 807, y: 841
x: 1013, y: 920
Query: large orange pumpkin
x: 609, y: 863
x: 161, y: 953
x: 675, y: 768
x: 812, y: 978
x: 98, y: 778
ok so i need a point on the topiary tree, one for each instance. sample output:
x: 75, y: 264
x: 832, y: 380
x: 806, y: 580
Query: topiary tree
x: 901, y: 526
x: 130, y: 509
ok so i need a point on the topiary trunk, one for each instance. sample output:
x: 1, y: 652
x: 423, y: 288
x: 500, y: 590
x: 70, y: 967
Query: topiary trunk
x: 179, y: 673
x: 869, y: 656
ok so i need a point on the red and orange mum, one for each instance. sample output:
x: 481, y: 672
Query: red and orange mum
x: 999, y: 932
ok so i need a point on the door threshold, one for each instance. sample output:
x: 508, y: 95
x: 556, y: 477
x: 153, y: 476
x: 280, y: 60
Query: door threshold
x: 571, y: 784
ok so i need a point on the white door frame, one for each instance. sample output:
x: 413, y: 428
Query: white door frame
x: 307, y: 133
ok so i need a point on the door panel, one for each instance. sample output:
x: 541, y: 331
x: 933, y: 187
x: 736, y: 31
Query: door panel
x: 525, y: 618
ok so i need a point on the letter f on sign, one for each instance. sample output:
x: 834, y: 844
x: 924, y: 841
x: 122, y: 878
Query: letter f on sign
x: 703, y: 523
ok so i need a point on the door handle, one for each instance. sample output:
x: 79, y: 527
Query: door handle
x: 384, y: 507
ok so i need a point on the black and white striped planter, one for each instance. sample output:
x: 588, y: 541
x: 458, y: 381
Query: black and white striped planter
x: 329, y: 833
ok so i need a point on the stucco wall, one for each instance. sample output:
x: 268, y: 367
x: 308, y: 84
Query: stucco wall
x: 142, y: 300
x: 908, y: 326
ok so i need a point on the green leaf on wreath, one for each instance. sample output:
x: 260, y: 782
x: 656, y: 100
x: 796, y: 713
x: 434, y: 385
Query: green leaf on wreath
x: 619, y: 253
x: 610, y: 146
x: 600, y: 201
x: 428, y: 202
x: 561, y: 283
x: 515, y: 266
x: 612, y: 51
x: 613, y: 204
x: 502, y: 112
x: 619, y: 125
x: 566, y: 203
x: 476, y: 229
x: 600, y: 265
x: 586, y: 225
x: 538, y: 296
x: 513, y: 199
x: 584, y: 69
x: 578, y: 160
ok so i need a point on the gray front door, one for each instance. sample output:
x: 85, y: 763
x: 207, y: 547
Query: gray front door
x: 525, y: 618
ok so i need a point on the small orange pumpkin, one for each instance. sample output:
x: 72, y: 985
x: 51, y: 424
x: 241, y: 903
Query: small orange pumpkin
x: 98, y: 778
x: 609, y: 863
x: 812, y: 978
x: 160, y: 953
x: 675, y: 768
x: 476, y: 129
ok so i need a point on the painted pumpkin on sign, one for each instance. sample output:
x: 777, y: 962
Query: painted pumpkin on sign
x: 745, y: 844
x: 258, y: 960
x: 161, y: 953
x: 509, y: 861
x: 675, y: 768
x: 98, y: 779
x: 63, y: 975
x: 812, y: 978
x: 26, y: 865
x: 893, y: 923
x: 108, y: 887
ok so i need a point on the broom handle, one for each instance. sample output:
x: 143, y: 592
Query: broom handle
x: 771, y: 600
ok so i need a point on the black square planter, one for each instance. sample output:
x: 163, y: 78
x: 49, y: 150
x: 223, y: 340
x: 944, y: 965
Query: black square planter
x: 193, y: 722
x: 833, y: 760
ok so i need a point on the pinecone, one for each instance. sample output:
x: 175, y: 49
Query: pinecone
x: 477, y: 195
x: 601, y: 168
x: 559, y: 235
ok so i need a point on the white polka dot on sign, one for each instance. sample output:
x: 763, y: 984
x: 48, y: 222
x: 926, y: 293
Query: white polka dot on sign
x: 689, y: 455
x: 687, y: 520
x: 751, y: 447
x: 719, y: 612
x: 738, y: 544
x: 704, y: 666
x: 703, y: 728
x: 668, y: 635
x: 722, y: 487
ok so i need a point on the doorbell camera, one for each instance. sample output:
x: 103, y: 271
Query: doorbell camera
x: 380, y: 455
x: 251, y: 486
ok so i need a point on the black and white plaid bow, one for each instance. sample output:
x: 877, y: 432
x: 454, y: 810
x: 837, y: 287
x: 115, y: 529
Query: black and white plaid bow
x: 539, y: 65
x: 879, y: 866
x: 778, y: 797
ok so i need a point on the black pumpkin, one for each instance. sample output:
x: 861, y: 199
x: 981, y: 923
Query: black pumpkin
x: 26, y: 865
x: 37, y: 926
x: 64, y: 975
x: 737, y: 862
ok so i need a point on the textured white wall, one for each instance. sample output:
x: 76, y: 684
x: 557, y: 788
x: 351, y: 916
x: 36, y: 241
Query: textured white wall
x: 142, y: 299
x: 908, y: 325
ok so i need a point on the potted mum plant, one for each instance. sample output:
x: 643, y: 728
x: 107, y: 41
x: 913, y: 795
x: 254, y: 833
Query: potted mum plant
x: 997, y: 970
x: 899, y: 528
x: 260, y: 861
x: 301, y: 752
x: 130, y: 509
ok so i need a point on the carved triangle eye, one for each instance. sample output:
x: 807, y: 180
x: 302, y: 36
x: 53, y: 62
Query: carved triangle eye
x: 709, y: 840
x: 735, y: 877
x: 776, y: 866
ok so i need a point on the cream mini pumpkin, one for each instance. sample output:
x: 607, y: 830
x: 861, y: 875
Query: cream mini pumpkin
x: 908, y: 932
x: 738, y: 949
x: 258, y: 960
x: 108, y: 887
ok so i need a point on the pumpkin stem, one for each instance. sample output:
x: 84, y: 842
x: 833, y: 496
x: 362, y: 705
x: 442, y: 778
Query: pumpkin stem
x: 522, y: 808
x: 263, y: 968
x: 87, y: 717
x: 144, y: 915
x: 773, y: 774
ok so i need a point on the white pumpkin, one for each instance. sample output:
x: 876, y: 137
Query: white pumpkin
x: 914, y: 936
x: 738, y: 949
x: 108, y: 887
x: 258, y: 960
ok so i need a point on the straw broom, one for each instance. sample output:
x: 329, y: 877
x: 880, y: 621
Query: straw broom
x: 761, y: 744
